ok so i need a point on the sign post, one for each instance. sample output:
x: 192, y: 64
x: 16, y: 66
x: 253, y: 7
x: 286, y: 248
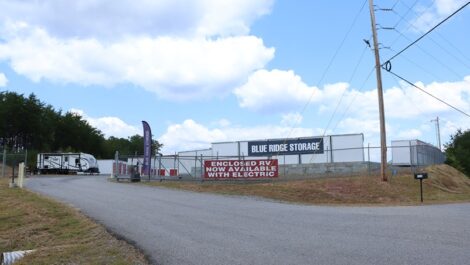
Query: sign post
x: 421, y: 176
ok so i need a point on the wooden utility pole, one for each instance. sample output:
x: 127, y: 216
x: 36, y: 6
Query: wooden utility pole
x: 383, y: 140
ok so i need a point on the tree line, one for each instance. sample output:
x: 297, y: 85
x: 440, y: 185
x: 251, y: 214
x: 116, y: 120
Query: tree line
x: 26, y: 123
x: 458, y: 151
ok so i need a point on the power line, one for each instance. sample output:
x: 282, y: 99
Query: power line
x: 330, y: 62
x: 432, y: 57
x: 429, y: 94
x: 425, y: 70
x: 354, y: 98
x: 404, y: 16
x: 344, y: 92
x: 449, y: 53
x: 429, y: 31
x: 414, y: 104
x: 454, y: 47
x: 410, y: 25
x: 406, y: 13
x: 336, y: 53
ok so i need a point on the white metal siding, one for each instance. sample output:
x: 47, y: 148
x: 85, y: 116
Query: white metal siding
x: 348, y: 148
x: 415, y: 152
x: 106, y: 166
x: 225, y: 149
x: 401, y: 152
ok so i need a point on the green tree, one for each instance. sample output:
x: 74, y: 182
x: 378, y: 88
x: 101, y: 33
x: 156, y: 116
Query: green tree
x: 72, y: 133
x: 129, y: 146
x: 458, y: 151
x: 28, y: 123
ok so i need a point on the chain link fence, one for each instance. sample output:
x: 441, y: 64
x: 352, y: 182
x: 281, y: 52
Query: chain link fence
x: 402, y: 159
x: 9, y: 163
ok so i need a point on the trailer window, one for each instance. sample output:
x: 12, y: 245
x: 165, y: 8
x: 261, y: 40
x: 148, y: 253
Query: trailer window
x: 66, y: 159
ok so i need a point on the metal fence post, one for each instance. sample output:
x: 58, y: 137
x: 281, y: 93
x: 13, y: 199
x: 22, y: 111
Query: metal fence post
x: 368, y: 158
x: 4, y: 161
x: 284, y: 162
x: 202, y: 168
x: 26, y: 158
x: 195, y: 165
x: 154, y: 165
x: 160, y: 166
x: 178, y: 158
x: 13, y: 172
x: 174, y: 164
x: 116, y: 163
x: 411, y: 159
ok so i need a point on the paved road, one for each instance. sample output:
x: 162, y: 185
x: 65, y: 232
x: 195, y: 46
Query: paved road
x: 177, y: 227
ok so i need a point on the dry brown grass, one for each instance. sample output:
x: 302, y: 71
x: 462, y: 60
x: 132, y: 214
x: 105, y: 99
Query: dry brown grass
x: 60, y: 235
x: 8, y: 171
x: 445, y: 184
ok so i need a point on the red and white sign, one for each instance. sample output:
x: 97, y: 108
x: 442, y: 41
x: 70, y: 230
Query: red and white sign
x: 235, y: 169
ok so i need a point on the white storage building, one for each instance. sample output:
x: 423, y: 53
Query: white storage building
x: 304, y: 150
x: 415, y: 153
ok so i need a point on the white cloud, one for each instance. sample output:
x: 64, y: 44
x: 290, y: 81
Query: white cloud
x: 231, y: 16
x: 173, y: 68
x: 450, y: 126
x: 407, y: 109
x: 278, y: 90
x: 3, y: 80
x: 403, y: 106
x: 370, y: 128
x: 409, y: 102
x: 109, y: 126
x: 109, y: 19
x: 178, y: 49
x: 224, y: 123
x: 291, y: 119
x: 409, y: 134
x: 281, y: 91
x: 433, y: 15
x: 190, y: 135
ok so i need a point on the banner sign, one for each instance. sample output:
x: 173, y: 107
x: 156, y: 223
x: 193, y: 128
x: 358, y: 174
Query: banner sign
x: 285, y: 147
x: 147, y: 148
x: 235, y: 169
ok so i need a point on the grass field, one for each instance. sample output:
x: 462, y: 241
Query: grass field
x: 445, y: 185
x: 59, y: 234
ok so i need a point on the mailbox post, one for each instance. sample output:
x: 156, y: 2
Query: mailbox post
x: 421, y: 176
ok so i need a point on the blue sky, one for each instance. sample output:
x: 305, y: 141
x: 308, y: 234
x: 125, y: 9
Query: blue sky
x: 202, y: 71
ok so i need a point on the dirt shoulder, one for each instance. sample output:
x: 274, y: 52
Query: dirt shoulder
x: 57, y: 233
x: 445, y: 185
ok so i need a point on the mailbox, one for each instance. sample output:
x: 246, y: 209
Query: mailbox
x: 421, y: 175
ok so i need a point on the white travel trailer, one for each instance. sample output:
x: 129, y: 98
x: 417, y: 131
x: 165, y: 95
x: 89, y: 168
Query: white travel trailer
x: 66, y: 163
